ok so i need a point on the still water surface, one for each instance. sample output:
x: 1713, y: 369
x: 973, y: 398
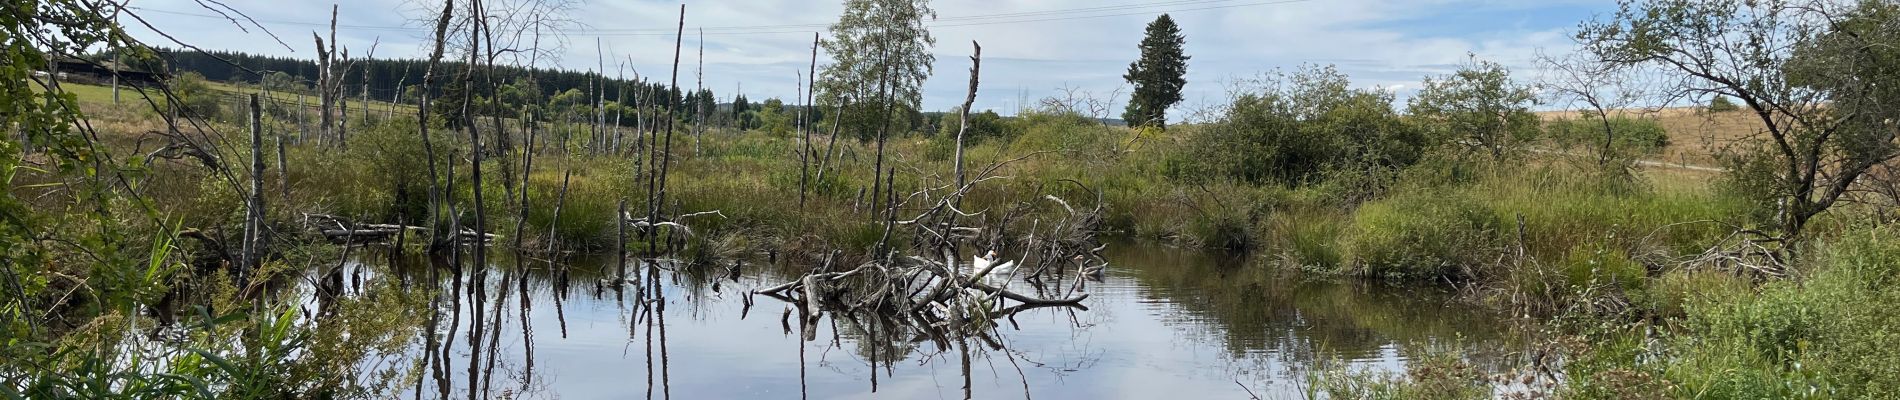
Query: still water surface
x: 1162, y: 323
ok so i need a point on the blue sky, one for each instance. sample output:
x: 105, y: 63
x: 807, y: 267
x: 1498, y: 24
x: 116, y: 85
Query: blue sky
x: 1032, y: 49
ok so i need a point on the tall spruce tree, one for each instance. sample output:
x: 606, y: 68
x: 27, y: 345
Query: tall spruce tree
x: 1158, y: 75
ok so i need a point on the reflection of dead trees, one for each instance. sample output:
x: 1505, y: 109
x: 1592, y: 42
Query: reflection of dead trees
x: 910, y: 285
x: 344, y: 231
x: 651, y: 227
x: 932, y: 291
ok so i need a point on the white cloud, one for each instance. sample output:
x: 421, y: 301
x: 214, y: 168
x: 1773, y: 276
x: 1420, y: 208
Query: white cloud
x: 1381, y: 43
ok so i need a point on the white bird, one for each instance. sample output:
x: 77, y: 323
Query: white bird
x: 1094, y: 272
x: 978, y: 263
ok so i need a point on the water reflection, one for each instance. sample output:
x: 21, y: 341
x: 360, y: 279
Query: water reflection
x: 1162, y: 322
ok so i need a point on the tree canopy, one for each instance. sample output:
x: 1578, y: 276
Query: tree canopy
x: 879, y: 43
x: 1479, y: 106
x: 1158, y: 75
x: 1822, y: 77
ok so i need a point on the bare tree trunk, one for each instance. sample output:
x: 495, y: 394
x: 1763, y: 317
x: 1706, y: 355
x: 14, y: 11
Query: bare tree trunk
x: 600, y: 100
x: 479, y: 22
x: 805, y: 127
x: 619, y: 82
x: 254, y: 215
x: 343, y: 114
x: 283, y: 169
x: 666, y: 156
x: 837, y: 123
x: 527, y: 167
x: 976, y: 64
x: 422, y: 125
x: 474, y: 137
x: 343, y: 127
x: 115, y: 62
x: 327, y: 80
x: 699, y: 88
x: 560, y: 200
x: 396, y: 98
x: 303, y: 128
x: 884, y: 124
x: 323, y: 93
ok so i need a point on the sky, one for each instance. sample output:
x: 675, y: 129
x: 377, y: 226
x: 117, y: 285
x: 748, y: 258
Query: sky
x: 1031, y: 49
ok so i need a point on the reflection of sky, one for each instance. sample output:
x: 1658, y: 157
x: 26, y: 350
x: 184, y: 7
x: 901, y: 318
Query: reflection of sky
x: 1135, y: 341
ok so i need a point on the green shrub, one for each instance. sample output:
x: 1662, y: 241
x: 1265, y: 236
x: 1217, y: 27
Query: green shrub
x: 1076, y: 135
x: 1293, y: 129
x: 1595, y: 264
x: 1722, y: 104
x: 395, y: 185
x: 196, y: 97
x: 1629, y: 136
x: 1829, y: 336
x: 984, y: 126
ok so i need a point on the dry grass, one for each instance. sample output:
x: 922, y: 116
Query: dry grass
x: 1696, y: 136
x: 355, y: 104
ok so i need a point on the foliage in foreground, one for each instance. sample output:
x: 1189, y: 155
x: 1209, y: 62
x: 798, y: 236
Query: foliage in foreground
x: 1826, y: 336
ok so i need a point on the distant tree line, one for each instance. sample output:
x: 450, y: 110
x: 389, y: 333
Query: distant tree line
x: 544, y: 90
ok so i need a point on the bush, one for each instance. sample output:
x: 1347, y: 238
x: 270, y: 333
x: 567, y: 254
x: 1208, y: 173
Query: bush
x: 383, y: 175
x: 983, y: 126
x: 1631, y: 136
x: 1722, y: 104
x: 1755, y: 179
x: 1074, y: 134
x: 1295, y: 128
x: 1829, y: 336
x: 196, y: 97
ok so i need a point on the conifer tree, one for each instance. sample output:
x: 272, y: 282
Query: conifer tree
x: 1158, y: 75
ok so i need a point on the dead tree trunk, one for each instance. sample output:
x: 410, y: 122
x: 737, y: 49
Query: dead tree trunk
x: 567, y: 174
x: 338, y: 98
x: 837, y: 123
x: 805, y: 127
x: 254, y: 215
x: 976, y: 63
x: 283, y: 169
x: 884, y: 123
x: 527, y: 167
x: 620, y: 83
x: 600, y: 100
x: 327, y: 80
x: 303, y: 127
x: 475, y: 150
x: 658, y: 195
x: 699, y: 88
x: 422, y: 125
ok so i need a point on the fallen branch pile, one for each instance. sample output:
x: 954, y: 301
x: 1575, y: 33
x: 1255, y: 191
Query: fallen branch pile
x: 943, y: 295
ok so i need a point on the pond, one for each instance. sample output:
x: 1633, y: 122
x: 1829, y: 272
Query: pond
x: 1160, y: 323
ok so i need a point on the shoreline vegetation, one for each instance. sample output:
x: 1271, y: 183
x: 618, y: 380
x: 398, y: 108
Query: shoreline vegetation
x: 1654, y: 253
